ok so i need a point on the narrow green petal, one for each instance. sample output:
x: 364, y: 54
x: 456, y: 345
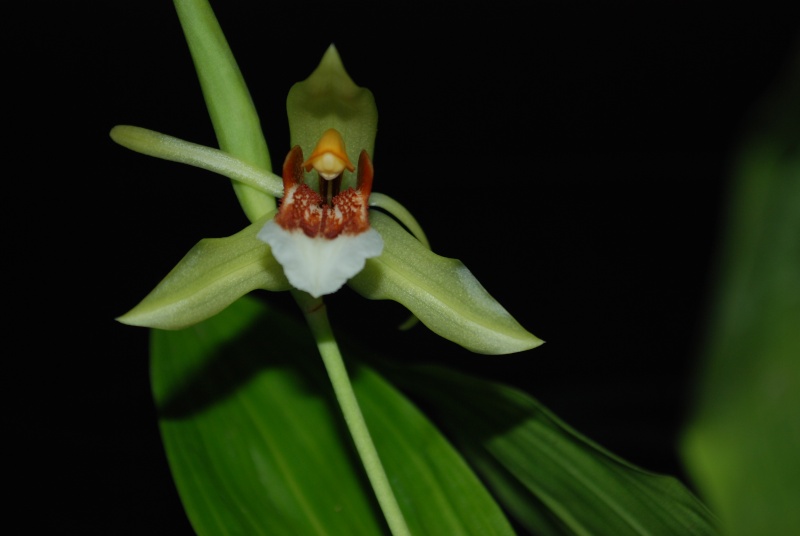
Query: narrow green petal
x: 212, y: 275
x: 230, y: 107
x: 329, y: 98
x: 174, y: 149
x: 401, y: 214
x: 441, y: 292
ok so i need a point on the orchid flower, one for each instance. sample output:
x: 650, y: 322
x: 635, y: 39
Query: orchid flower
x: 324, y: 234
x: 265, y: 455
x: 321, y: 243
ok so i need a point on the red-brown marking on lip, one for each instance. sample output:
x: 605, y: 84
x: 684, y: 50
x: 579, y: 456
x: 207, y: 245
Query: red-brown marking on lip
x: 303, y: 208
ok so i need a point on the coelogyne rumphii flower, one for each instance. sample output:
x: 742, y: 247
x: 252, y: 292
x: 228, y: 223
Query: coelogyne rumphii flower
x: 323, y: 235
x: 322, y: 239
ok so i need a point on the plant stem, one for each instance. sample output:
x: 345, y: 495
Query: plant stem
x: 317, y: 318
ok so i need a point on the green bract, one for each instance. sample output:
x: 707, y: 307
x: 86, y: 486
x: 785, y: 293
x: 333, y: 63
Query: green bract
x: 440, y: 292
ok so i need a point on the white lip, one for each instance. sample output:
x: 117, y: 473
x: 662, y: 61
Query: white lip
x: 319, y: 265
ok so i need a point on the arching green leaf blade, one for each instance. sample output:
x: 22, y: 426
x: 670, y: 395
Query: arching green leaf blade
x: 742, y: 444
x: 232, y: 112
x: 251, y: 432
x: 257, y: 444
x: 436, y: 489
x: 552, y: 480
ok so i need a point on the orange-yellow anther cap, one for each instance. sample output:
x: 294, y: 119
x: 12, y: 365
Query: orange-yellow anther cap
x: 329, y: 157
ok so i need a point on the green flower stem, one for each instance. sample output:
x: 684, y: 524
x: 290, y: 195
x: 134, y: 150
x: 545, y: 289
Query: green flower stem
x: 317, y: 318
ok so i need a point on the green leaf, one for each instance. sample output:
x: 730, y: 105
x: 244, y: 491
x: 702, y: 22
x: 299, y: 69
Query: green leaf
x: 550, y: 478
x: 441, y: 292
x: 230, y: 107
x: 251, y: 432
x: 211, y: 276
x: 436, y: 489
x: 742, y: 446
x: 257, y: 445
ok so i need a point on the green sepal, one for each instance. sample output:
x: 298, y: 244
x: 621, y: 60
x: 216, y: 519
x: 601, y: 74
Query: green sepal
x: 212, y: 275
x: 441, y: 292
x: 329, y: 98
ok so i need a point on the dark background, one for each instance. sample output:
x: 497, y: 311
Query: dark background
x: 574, y: 156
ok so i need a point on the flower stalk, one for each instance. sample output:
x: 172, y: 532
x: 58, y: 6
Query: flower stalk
x: 316, y: 316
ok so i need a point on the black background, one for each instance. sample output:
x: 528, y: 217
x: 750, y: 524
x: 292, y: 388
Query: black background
x: 574, y: 156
